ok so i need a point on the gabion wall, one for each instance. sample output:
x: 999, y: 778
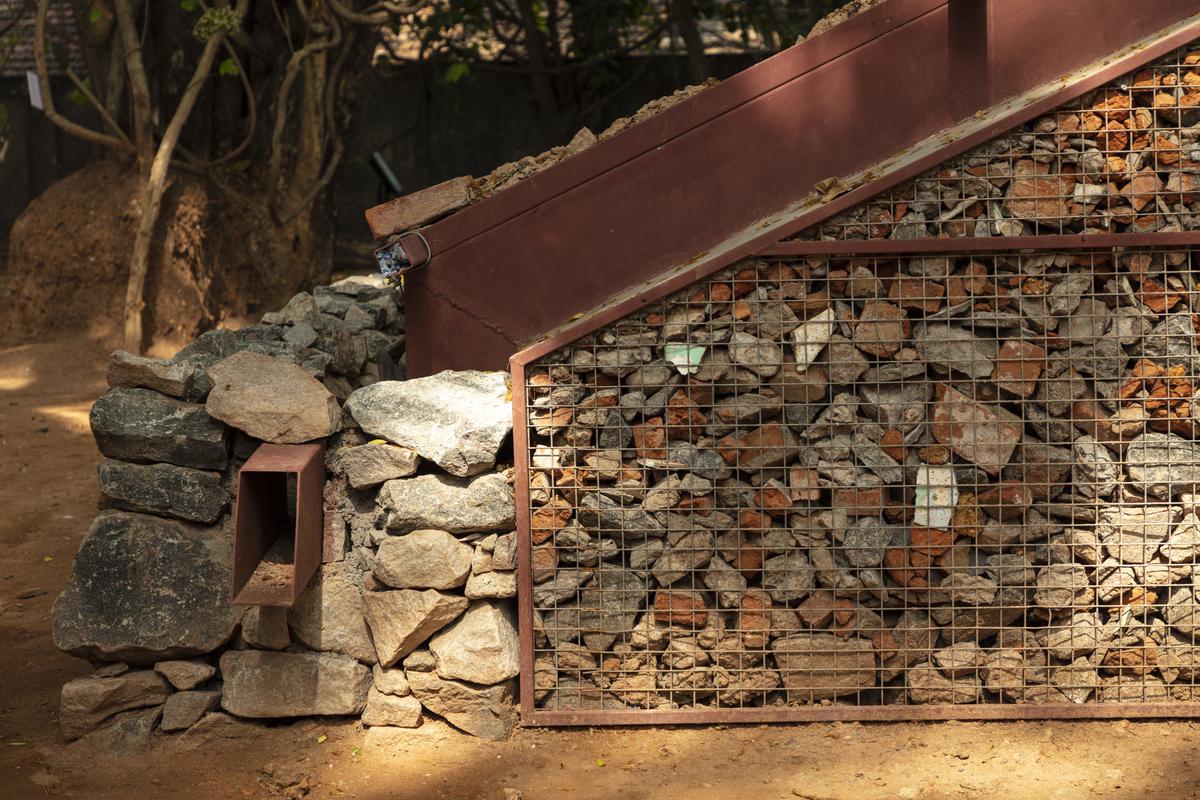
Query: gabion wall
x: 950, y: 479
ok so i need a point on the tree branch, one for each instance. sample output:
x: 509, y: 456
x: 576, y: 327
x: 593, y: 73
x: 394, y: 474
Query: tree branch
x: 43, y: 77
x: 139, y: 86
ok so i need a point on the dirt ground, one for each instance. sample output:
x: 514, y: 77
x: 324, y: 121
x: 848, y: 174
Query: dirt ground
x: 48, y: 495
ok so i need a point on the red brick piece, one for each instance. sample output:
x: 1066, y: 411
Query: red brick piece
x: 1018, y: 367
x: 1006, y: 500
x: 680, y: 608
x: 881, y: 328
x: 860, y: 502
x: 417, y: 209
x: 549, y: 520
x: 650, y: 438
x: 919, y: 293
x: 985, y: 435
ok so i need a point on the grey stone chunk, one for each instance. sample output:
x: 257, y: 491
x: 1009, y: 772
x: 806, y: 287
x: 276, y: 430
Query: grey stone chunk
x: 368, y: 465
x: 609, y: 605
x: 953, y: 349
x: 1094, y: 472
x: 483, y: 711
x: 927, y: 684
x: 385, y: 709
x: 1183, y: 545
x: 864, y: 542
x: 145, y: 589
x: 271, y: 399
x: 266, y: 627
x: 458, y: 420
x: 184, y: 709
x: 328, y: 616
x: 457, y: 505
x: 690, y: 552
x: 390, y: 681
x: 1172, y: 342
x: 87, y: 702
x: 788, y: 577
x: 135, y: 372
x: 144, y: 426
x: 163, y: 489
x: 184, y: 675
x: 263, y: 684
x: 423, y: 559
x: 481, y: 647
x: 1163, y: 465
x: 504, y: 556
x: 402, y: 620
x: 821, y: 666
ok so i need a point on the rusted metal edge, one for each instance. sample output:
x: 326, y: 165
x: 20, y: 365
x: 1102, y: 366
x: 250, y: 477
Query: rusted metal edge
x: 524, y: 542
x: 260, y: 503
x: 846, y: 713
x: 676, y: 121
x: 982, y: 244
x: 808, y: 211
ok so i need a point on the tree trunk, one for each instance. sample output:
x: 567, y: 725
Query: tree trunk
x: 156, y: 184
x: 535, y: 45
x: 684, y: 17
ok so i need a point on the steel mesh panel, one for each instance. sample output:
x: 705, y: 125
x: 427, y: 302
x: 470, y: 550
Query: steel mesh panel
x: 1122, y: 159
x: 940, y: 481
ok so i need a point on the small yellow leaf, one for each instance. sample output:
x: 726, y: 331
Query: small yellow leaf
x: 16, y: 743
x: 47, y: 558
x: 322, y: 739
x: 599, y: 762
x: 377, y: 441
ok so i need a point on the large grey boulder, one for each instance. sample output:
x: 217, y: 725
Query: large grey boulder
x: 329, y: 614
x: 457, y: 505
x: 271, y: 400
x: 483, y: 711
x: 425, y: 559
x: 481, y: 647
x: 458, y: 420
x: 401, y: 620
x: 145, y: 589
x: 368, y: 465
x: 144, y: 426
x: 163, y: 489
x: 87, y: 702
x: 265, y: 684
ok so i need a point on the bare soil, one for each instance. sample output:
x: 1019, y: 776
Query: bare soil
x: 48, y: 495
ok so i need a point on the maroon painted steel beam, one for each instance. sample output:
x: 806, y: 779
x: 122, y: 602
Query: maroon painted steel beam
x: 661, y: 196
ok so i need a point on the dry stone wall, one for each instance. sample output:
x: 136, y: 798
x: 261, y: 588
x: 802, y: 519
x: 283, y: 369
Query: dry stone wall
x: 411, y: 614
x: 945, y: 479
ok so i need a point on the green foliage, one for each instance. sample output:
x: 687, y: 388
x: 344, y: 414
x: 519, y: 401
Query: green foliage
x: 457, y: 71
x: 217, y: 20
x: 228, y: 68
x: 188, y: 5
x: 95, y: 15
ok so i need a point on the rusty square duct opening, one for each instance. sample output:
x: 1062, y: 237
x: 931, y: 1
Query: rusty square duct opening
x: 278, y: 524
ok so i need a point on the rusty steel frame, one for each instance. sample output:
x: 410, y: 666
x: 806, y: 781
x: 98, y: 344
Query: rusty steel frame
x: 597, y: 262
x: 261, y: 505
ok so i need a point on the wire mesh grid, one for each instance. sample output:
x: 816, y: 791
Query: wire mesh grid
x: 949, y: 480
x: 1122, y: 159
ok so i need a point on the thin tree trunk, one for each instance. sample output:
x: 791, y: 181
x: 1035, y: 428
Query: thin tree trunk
x: 535, y: 44
x: 684, y: 16
x: 139, y: 86
x: 156, y: 184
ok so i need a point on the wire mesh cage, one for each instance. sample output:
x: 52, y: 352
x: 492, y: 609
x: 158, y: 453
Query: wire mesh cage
x: 946, y: 484
x: 1124, y: 158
